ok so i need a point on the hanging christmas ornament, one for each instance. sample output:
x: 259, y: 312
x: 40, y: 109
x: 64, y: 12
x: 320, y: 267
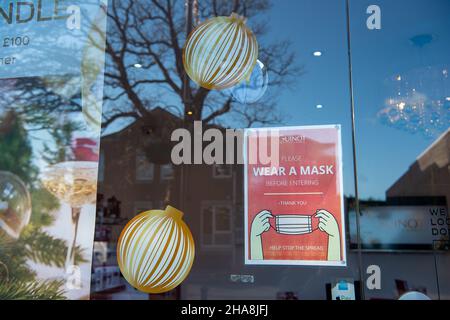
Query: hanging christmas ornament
x: 251, y: 91
x: 156, y: 250
x: 220, y: 53
x: 15, y: 204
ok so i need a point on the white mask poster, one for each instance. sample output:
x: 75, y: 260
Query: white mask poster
x: 294, y: 196
x: 51, y: 83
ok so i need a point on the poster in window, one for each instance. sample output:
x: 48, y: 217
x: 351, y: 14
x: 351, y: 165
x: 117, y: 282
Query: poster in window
x: 294, y: 196
x: 51, y: 91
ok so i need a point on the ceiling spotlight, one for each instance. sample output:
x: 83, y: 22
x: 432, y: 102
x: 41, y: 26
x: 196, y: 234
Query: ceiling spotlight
x: 399, y: 78
x: 190, y: 113
x: 317, y: 53
x: 448, y: 98
x: 319, y: 106
x: 138, y: 65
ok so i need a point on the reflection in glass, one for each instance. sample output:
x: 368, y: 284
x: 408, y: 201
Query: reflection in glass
x: 15, y: 204
x: 75, y: 183
x: 252, y: 90
x: 420, y: 101
x: 223, y: 219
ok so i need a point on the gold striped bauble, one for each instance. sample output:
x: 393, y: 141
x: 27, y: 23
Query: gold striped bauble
x: 156, y: 250
x: 220, y: 53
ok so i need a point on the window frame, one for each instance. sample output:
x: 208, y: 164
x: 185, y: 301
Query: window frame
x: 214, y: 205
x: 137, y: 177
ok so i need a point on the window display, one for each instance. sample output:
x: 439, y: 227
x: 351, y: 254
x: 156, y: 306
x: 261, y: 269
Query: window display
x: 305, y: 143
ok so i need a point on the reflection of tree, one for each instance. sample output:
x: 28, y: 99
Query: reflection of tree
x: 62, y: 136
x: 40, y: 101
x: 17, y: 280
x: 152, y: 33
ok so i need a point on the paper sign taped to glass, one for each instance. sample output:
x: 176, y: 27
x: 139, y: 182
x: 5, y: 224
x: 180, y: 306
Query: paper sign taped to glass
x: 294, y: 196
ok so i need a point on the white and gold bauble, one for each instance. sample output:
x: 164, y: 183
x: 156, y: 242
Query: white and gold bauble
x: 156, y: 250
x: 220, y: 53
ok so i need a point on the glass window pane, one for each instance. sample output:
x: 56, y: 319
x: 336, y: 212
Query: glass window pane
x: 222, y: 239
x: 207, y: 216
x: 401, y: 90
x: 222, y: 219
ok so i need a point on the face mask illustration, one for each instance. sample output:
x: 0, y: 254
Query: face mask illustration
x: 293, y: 224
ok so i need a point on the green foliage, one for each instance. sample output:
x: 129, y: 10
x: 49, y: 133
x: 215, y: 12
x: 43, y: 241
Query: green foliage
x: 13, y: 261
x: 43, y: 248
x: 17, y: 281
x: 36, y: 245
x: 15, y: 149
x: 43, y: 203
x: 19, y: 290
x: 62, y: 136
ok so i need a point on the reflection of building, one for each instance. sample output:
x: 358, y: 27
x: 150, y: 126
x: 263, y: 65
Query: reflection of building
x: 429, y: 175
x: 136, y: 173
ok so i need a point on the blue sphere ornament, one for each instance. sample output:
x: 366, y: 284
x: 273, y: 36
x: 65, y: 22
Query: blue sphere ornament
x: 252, y: 90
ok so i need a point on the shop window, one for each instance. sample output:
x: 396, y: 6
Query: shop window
x: 216, y: 225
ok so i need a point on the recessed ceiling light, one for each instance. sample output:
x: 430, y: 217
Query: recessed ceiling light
x: 138, y: 65
x: 319, y: 106
x: 317, y: 53
x: 190, y: 113
x: 399, y: 78
x: 448, y: 98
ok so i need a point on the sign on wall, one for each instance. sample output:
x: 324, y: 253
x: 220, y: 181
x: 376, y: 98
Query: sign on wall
x: 294, y: 196
x: 405, y: 227
x: 343, y: 289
